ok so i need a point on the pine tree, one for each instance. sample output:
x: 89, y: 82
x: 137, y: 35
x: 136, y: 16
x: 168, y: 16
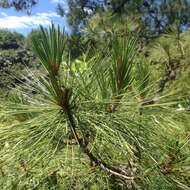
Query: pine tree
x: 94, y: 123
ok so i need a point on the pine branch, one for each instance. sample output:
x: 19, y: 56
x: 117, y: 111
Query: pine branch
x: 104, y: 166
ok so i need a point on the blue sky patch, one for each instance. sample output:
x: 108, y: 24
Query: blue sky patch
x: 42, y: 14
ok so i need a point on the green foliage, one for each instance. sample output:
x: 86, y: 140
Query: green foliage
x: 154, y: 17
x: 142, y: 78
x: 50, y: 49
x: 15, y: 60
x: 9, y: 40
x: 122, y: 62
x: 169, y: 56
x: 92, y: 22
x: 31, y: 36
x: 86, y: 128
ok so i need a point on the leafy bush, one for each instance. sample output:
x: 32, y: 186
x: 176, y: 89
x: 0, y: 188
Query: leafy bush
x: 14, y: 59
x: 10, y: 40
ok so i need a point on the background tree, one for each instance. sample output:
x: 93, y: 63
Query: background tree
x: 19, y: 5
x: 155, y: 15
x: 152, y: 17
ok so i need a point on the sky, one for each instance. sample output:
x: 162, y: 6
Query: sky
x: 42, y: 14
